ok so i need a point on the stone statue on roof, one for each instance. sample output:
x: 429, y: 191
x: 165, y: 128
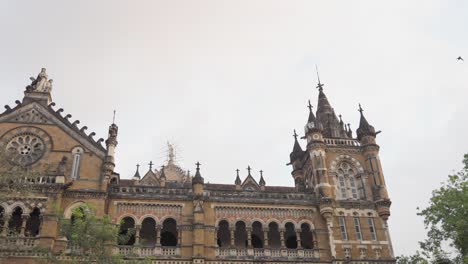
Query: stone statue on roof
x: 41, y: 83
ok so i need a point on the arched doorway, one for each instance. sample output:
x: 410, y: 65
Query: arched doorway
x: 274, y: 237
x: 16, y: 220
x: 127, y: 232
x: 290, y: 238
x: 34, y: 223
x: 257, y: 235
x: 223, y: 235
x: 307, y: 240
x: 169, y: 233
x: 148, y: 232
x: 240, y: 235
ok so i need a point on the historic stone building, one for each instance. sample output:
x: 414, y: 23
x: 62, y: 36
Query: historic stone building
x: 336, y: 212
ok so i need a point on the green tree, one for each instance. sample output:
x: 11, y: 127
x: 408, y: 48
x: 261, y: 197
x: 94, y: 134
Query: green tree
x: 446, y: 218
x: 414, y: 259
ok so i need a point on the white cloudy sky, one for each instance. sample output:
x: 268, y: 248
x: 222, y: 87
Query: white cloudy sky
x: 228, y: 81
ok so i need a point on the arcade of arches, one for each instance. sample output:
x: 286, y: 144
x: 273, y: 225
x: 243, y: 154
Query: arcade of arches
x: 19, y: 223
x: 259, y: 236
x: 149, y: 233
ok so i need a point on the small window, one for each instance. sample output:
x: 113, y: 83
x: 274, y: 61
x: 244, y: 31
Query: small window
x: 77, y: 153
x: 370, y: 221
x: 344, y: 235
x: 357, y: 226
x: 347, y: 253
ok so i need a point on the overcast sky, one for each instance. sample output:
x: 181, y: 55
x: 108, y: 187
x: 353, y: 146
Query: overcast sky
x: 228, y: 81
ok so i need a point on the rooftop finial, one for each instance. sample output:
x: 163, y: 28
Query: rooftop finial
x: 261, y: 173
x: 151, y: 165
x: 360, y: 109
x: 248, y: 169
x: 319, y: 85
x: 295, y: 134
x: 237, y: 170
x: 198, y: 165
x: 310, y: 107
x: 113, y: 118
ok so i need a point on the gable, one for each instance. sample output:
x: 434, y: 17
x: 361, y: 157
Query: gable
x: 250, y: 184
x: 35, y: 113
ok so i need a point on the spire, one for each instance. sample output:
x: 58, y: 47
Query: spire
x: 262, y: 181
x: 151, y: 165
x: 326, y: 117
x: 163, y: 175
x: 198, y: 179
x: 137, y: 173
x: 365, y: 129
x: 349, y: 132
x: 311, y: 114
x: 297, y: 150
x: 238, y: 180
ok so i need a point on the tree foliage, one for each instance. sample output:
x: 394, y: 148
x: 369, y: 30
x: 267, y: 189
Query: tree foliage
x: 446, y: 218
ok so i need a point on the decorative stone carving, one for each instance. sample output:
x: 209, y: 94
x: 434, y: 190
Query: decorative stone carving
x: 41, y: 83
x: 25, y: 149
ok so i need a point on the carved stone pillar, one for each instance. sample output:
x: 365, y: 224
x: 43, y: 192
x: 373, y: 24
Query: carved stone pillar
x: 314, y: 237
x: 6, y: 220
x: 24, y: 220
x: 179, y: 237
x: 158, y: 236
x: 298, y: 238
x: 249, y: 237
x: 265, y: 237
x: 233, y: 241
x: 282, y: 237
x: 137, y: 234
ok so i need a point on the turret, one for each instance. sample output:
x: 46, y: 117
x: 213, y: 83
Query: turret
x: 111, y: 144
x: 162, y: 177
x: 262, y: 182
x: 137, y: 176
x: 238, y: 181
x: 198, y: 181
x: 366, y: 135
x: 295, y: 159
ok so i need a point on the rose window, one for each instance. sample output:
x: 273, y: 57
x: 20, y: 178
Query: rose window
x: 25, y: 149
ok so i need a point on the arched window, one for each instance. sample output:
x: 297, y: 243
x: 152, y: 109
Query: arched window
x: 290, y: 236
x: 224, y: 236
x: 34, y: 223
x: 274, y: 237
x: 16, y: 220
x: 240, y: 235
x: 76, y: 152
x: 169, y: 233
x: 148, y: 232
x: 257, y: 235
x: 306, y: 237
x: 347, y: 182
x: 127, y: 232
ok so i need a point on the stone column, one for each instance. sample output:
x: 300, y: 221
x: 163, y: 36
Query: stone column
x: 179, y: 237
x: 6, y: 220
x: 249, y: 237
x: 158, y: 236
x: 233, y: 241
x: 265, y: 237
x: 24, y: 220
x: 282, y: 237
x: 314, y: 237
x: 298, y: 238
x: 137, y: 234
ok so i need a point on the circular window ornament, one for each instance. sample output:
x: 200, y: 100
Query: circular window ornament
x: 26, y: 145
x: 25, y: 149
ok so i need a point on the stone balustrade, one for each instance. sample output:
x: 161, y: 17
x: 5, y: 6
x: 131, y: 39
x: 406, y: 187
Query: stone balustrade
x: 341, y: 142
x: 17, y: 242
x: 147, y: 251
x: 267, y: 253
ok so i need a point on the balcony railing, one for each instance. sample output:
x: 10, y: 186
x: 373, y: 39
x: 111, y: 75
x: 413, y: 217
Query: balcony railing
x: 17, y: 242
x: 267, y: 253
x: 147, y: 251
x: 342, y: 142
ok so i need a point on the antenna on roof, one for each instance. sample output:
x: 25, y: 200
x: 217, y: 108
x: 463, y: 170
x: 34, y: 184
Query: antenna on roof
x: 319, y: 85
